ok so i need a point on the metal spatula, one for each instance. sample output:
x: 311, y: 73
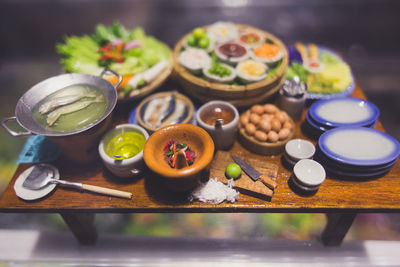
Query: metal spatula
x: 41, y: 176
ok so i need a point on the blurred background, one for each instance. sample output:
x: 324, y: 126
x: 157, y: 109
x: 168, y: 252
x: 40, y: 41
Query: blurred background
x: 364, y: 32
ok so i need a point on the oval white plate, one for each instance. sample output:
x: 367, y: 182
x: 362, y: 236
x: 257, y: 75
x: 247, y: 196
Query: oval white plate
x: 349, y: 111
x: 28, y: 194
x: 359, y: 146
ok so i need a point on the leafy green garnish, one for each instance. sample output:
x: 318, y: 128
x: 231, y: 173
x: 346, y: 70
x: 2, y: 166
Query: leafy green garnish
x: 81, y: 54
x: 296, y: 69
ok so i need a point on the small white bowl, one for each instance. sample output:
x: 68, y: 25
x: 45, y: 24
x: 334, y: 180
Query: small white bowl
x: 215, y: 78
x: 309, y: 172
x: 298, y: 149
x: 245, y: 78
x: 268, y: 61
x: 194, y: 60
x: 289, y: 160
x: 125, y: 167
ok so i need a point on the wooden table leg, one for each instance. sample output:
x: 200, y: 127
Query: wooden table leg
x: 81, y: 225
x: 336, y: 228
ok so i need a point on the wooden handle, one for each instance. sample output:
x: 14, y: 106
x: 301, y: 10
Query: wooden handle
x: 107, y: 191
x: 268, y: 182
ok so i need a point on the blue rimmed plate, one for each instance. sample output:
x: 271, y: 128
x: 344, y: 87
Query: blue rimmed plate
x: 347, y: 111
x: 325, y: 161
x: 359, y: 146
x: 349, y: 174
x: 319, y: 128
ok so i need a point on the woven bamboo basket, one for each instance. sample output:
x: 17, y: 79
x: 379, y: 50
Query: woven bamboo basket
x: 238, y: 95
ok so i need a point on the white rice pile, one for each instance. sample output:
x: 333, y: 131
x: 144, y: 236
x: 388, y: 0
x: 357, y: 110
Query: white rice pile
x: 215, y: 192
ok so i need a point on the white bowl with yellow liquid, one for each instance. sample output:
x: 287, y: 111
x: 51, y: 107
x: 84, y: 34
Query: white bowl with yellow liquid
x: 121, y: 149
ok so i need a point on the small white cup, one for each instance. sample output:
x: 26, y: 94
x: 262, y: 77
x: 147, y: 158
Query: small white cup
x: 309, y: 173
x: 126, y: 167
x: 222, y: 135
x: 298, y: 149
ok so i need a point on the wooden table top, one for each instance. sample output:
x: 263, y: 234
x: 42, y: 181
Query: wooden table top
x: 374, y: 195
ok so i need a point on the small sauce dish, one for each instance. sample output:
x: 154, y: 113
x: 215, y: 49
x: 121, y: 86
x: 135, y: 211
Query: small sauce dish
x: 309, y: 173
x: 220, y: 119
x: 117, y: 164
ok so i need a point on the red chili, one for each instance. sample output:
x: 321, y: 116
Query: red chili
x: 105, y: 57
x: 167, y: 145
x: 105, y: 48
x: 188, y: 156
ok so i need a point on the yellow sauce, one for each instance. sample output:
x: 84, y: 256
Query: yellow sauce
x: 125, y: 145
x: 252, y: 68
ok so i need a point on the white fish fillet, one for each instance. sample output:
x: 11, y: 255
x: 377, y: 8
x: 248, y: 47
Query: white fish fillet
x: 62, y: 101
x: 55, y: 114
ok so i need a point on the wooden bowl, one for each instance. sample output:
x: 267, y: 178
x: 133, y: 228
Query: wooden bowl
x: 196, y: 138
x: 253, y: 93
x: 264, y: 148
x: 179, y: 97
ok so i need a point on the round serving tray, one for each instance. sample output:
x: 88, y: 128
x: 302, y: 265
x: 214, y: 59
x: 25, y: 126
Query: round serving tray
x: 205, y: 90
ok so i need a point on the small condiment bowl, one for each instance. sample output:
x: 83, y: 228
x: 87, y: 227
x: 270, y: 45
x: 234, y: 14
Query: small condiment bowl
x: 125, y: 167
x: 298, y: 149
x: 309, y: 173
x: 196, y: 138
x: 223, y: 135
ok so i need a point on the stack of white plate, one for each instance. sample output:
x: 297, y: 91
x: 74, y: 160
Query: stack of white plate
x: 328, y: 114
x: 357, y: 152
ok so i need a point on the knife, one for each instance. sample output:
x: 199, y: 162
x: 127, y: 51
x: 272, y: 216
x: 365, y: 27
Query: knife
x: 253, y: 173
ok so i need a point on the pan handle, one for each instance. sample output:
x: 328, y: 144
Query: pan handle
x: 115, y: 73
x: 11, y: 132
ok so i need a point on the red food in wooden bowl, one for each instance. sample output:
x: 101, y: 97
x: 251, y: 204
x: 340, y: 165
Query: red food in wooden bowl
x: 196, y: 138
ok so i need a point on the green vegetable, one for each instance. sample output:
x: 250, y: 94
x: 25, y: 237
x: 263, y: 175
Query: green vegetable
x: 141, y: 83
x: 83, y: 54
x: 296, y: 69
x: 191, y: 40
x: 129, y: 66
x: 233, y: 170
x: 198, y: 33
x: 219, y: 70
x: 329, y: 58
x: 204, y: 42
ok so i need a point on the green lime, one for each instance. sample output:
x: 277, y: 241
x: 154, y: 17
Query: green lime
x: 198, y: 33
x: 204, y: 42
x: 233, y: 170
x: 191, y: 40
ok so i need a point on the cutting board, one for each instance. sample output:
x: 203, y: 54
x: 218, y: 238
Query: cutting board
x: 244, y: 184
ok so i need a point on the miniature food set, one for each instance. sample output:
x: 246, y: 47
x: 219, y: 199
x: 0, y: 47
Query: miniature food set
x: 218, y: 62
x: 239, y: 64
x: 143, y: 61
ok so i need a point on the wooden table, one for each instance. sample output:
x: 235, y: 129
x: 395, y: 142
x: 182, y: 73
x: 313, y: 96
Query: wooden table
x: 341, y: 200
